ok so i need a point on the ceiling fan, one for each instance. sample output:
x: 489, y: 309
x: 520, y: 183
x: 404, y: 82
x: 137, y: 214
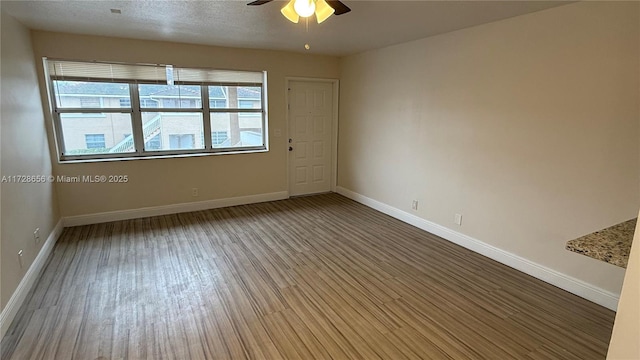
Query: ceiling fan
x: 295, y: 9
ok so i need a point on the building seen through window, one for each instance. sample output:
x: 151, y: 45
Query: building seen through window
x: 101, y: 117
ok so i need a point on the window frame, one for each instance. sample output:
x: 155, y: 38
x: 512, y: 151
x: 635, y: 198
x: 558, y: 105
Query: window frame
x: 136, y: 112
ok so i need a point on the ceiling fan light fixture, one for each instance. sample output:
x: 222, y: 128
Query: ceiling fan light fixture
x: 304, y: 8
x: 323, y: 11
x: 290, y: 13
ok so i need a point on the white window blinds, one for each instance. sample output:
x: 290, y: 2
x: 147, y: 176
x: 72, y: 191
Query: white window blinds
x: 118, y: 72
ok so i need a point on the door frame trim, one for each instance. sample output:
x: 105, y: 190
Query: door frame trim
x: 334, y: 125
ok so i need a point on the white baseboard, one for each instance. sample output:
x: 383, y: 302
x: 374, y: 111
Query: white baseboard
x: 29, y: 279
x: 553, y: 277
x: 171, y: 209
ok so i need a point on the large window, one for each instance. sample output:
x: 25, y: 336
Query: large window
x: 106, y: 111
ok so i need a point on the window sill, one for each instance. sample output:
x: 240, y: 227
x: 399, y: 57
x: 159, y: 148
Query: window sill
x: 163, y: 156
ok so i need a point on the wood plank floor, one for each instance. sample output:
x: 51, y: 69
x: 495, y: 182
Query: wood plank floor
x: 312, y: 277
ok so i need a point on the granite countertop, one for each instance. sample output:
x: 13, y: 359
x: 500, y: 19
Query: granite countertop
x: 612, y: 244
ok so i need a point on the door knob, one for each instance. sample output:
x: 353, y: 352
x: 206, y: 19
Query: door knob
x: 290, y: 148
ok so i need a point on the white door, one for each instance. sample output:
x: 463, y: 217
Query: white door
x: 310, y: 115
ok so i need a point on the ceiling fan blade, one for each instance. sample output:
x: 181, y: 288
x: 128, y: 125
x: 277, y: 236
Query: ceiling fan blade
x: 259, y: 2
x: 338, y: 6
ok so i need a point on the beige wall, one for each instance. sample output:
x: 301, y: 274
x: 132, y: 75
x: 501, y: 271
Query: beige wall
x: 527, y: 126
x: 169, y: 181
x: 25, y: 151
x: 626, y: 330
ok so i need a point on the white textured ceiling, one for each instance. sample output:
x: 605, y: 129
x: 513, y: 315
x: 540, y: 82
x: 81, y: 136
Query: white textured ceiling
x: 370, y: 24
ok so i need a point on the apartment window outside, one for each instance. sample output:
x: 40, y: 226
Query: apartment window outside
x: 90, y: 102
x: 181, y: 141
x: 139, y: 113
x: 94, y: 141
x: 247, y: 104
x: 219, y: 137
x: 218, y: 103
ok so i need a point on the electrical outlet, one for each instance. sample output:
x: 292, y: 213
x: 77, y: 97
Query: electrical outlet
x: 458, y: 219
x: 414, y: 205
x: 195, y: 192
x: 36, y: 235
x: 20, y: 258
